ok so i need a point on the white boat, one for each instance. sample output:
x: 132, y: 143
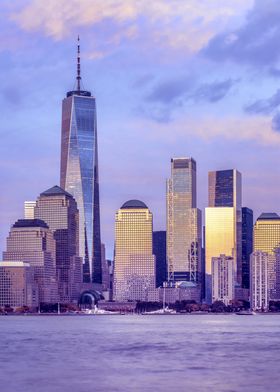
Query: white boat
x: 247, y: 312
x: 98, y: 311
x: 164, y: 310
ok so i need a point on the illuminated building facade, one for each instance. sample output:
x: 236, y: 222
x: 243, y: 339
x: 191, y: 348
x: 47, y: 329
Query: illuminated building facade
x: 223, y: 224
x: 29, y: 209
x: 267, y: 232
x: 223, y: 279
x: 79, y: 173
x: 17, y: 285
x: 134, y: 263
x: 59, y: 210
x: 183, y: 223
x: 31, y: 241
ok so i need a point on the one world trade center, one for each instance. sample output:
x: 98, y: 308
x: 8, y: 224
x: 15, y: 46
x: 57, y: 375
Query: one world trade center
x: 79, y: 172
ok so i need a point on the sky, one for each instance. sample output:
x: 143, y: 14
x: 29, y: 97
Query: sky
x: 172, y: 78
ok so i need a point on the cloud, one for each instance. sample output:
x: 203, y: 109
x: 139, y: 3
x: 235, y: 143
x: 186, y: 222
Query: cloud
x: 170, y: 91
x: 174, y: 23
x: 213, y: 92
x: 276, y: 122
x: 264, y: 106
x: 255, y: 43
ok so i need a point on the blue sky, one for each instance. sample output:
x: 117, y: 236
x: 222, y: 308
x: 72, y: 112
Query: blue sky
x: 171, y: 78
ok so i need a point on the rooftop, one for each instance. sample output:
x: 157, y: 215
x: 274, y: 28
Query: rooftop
x: 134, y: 204
x: 269, y: 216
x: 30, y: 223
x: 55, y: 191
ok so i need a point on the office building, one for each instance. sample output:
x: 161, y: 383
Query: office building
x: 17, y: 285
x: 29, y: 209
x: 159, y: 250
x: 58, y: 209
x: 183, y: 223
x: 223, y: 279
x: 247, y: 245
x: 134, y: 263
x: 79, y: 172
x: 31, y: 241
x: 259, y: 286
x: 223, y: 224
x: 267, y: 232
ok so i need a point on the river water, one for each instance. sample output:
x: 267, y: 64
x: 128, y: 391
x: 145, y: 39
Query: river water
x: 140, y: 353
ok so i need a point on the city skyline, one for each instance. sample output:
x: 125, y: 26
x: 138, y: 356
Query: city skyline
x: 147, y: 140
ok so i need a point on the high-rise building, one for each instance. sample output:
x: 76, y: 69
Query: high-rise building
x: 29, y: 209
x: 59, y: 210
x: 79, y: 172
x: 159, y: 250
x: 267, y: 232
x: 31, y: 241
x: 247, y: 245
x: 274, y: 277
x: 17, y: 285
x: 134, y: 263
x: 223, y: 223
x: 223, y: 279
x: 259, y: 286
x: 183, y: 223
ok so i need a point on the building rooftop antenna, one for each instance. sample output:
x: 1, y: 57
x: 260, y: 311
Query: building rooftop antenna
x: 78, y: 77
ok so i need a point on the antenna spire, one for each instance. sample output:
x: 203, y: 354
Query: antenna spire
x: 78, y: 77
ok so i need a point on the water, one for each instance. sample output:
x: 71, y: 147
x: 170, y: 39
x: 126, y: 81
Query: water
x: 140, y: 353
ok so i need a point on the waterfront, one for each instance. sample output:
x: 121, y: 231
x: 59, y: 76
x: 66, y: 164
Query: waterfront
x: 140, y: 353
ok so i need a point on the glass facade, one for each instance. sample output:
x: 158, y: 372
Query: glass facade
x: 247, y: 245
x: 267, y: 233
x: 79, y: 175
x: 220, y: 239
x: 134, y: 262
x: 183, y: 223
x: 59, y: 210
x: 159, y: 250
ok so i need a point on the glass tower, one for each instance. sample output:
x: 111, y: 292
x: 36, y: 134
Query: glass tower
x: 223, y: 223
x: 247, y: 245
x: 183, y: 223
x: 79, y: 173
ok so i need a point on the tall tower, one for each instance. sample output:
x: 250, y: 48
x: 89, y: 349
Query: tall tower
x: 79, y: 172
x: 183, y: 222
x: 223, y: 223
x: 247, y: 245
x: 134, y: 274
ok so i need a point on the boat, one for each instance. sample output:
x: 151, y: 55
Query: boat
x: 165, y: 310
x: 97, y: 311
x: 247, y: 312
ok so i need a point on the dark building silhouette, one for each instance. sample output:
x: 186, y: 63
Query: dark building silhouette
x: 159, y: 250
x: 247, y: 245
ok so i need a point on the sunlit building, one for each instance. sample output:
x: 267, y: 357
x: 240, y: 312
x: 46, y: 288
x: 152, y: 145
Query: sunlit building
x: 223, y: 279
x: 267, y: 232
x: 183, y: 223
x: 29, y: 209
x: 59, y: 210
x: 223, y: 224
x: 31, y: 241
x: 134, y: 263
x: 17, y: 285
x: 79, y: 172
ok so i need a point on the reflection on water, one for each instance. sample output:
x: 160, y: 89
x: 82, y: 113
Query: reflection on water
x: 140, y: 353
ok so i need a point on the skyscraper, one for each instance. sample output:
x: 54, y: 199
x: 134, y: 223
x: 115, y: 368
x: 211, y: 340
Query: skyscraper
x: 247, y: 245
x: 259, y: 293
x: 183, y: 223
x: 29, y: 209
x: 223, y: 223
x: 79, y: 172
x: 59, y: 210
x: 267, y: 232
x: 134, y: 263
x: 159, y: 250
x: 31, y: 241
